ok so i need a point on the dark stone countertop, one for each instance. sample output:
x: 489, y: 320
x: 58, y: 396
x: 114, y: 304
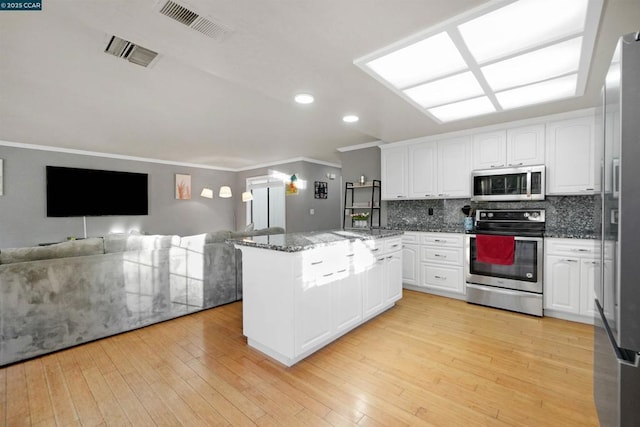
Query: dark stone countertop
x: 296, y: 242
x: 555, y: 233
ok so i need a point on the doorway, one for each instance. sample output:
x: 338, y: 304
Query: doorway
x: 267, y: 209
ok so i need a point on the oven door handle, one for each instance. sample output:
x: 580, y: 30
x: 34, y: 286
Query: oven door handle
x: 529, y: 184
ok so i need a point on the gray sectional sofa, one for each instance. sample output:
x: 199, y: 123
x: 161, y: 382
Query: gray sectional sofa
x: 57, y: 296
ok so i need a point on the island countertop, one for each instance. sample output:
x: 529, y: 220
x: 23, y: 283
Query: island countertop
x: 296, y: 242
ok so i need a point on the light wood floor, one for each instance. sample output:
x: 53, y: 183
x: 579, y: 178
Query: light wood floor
x: 427, y: 361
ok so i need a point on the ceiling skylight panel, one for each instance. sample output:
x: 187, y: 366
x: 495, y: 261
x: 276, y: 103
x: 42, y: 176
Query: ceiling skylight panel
x: 550, y: 90
x: 447, y: 90
x: 553, y: 61
x: 425, y: 60
x: 522, y: 25
x: 463, y: 109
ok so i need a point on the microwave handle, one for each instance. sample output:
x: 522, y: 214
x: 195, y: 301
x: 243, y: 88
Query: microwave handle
x: 529, y: 183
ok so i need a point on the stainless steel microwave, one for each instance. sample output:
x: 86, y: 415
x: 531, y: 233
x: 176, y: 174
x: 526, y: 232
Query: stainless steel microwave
x: 505, y: 184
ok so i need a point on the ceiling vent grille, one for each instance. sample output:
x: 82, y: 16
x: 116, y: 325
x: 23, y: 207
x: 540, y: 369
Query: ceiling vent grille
x: 131, y: 52
x: 191, y: 19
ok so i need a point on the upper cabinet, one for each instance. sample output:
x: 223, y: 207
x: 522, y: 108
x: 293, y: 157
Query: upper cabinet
x: 490, y: 150
x: 521, y: 146
x: 441, y: 169
x: 422, y: 170
x: 570, y: 157
x: 454, y: 168
x: 394, y: 173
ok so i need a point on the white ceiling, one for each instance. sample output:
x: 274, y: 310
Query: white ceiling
x: 229, y: 103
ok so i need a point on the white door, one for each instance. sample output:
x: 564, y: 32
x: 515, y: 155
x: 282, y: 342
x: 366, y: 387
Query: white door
x: 422, y: 170
x: 489, y: 150
x: 454, y: 168
x: 393, y: 277
x: 410, y: 264
x: 525, y: 146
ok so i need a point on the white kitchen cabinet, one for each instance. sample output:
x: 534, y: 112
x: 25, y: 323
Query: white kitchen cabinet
x: 394, y: 172
x: 347, y: 301
x: 571, y: 268
x: 454, y: 168
x: 440, y: 269
x: 525, y: 146
x: 297, y: 302
x: 490, y: 150
x: 393, y: 276
x: 570, y: 157
x: 562, y: 284
x: 519, y: 146
x: 410, y: 258
x: 383, y: 281
x: 423, y: 178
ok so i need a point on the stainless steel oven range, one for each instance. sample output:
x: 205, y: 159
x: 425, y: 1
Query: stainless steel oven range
x: 504, y: 260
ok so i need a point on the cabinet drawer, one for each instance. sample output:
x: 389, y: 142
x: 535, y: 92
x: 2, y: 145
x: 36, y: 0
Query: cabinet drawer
x: 445, y: 278
x: 444, y: 255
x: 409, y: 237
x: 572, y: 247
x: 392, y: 244
x: 443, y: 239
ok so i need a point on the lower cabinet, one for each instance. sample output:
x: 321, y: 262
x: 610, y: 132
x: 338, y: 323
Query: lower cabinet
x: 433, y: 263
x: 295, y: 303
x: 572, y: 267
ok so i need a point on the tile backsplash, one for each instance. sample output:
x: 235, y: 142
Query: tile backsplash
x: 566, y: 216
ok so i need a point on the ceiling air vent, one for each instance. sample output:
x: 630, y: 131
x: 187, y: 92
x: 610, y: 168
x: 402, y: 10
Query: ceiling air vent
x: 191, y: 19
x: 131, y: 52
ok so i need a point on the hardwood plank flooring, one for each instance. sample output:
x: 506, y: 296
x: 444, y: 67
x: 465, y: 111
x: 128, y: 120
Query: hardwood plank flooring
x: 428, y: 361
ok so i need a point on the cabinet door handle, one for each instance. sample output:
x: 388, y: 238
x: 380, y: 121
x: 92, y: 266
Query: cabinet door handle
x: 400, y: 196
x: 380, y: 259
x: 570, y: 260
x: 350, y: 255
x: 342, y: 271
x: 439, y: 256
x: 427, y: 195
x: 316, y: 263
x: 498, y: 166
x: 440, y: 240
x: 395, y: 246
x: 516, y: 164
x: 441, y: 277
x: 327, y: 275
x: 589, y: 189
x: 582, y: 250
x: 375, y: 249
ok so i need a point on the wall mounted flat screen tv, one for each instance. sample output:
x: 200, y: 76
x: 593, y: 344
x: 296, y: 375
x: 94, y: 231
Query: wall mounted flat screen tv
x: 92, y: 192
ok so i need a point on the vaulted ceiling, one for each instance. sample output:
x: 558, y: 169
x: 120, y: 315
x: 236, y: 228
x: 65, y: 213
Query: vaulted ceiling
x: 228, y: 101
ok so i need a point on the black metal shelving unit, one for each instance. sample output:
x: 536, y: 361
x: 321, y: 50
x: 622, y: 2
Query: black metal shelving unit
x: 371, y: 205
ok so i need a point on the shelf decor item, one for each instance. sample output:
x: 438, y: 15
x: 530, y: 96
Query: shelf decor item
x: 360, y: 219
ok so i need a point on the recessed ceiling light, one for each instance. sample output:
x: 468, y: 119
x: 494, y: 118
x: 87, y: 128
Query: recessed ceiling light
x: 304, y: 98
x: 350, y: 118
x: 490, y: 53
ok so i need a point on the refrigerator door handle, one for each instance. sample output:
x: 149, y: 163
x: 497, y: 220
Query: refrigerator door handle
x: 624, y: 356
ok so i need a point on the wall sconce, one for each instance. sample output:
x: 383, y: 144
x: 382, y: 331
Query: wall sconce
x: 225, y: 192
x: 207, y: 192
x: 247, y: 196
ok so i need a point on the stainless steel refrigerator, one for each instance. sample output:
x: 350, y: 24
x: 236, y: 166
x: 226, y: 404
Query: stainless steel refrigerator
x: 617, y: 319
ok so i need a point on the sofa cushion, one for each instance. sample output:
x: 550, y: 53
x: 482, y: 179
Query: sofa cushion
x: 128, y: 242
x: 71, y: 248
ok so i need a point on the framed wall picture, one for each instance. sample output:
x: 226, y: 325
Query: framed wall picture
x: 320, y: 190
x: 183, y: 186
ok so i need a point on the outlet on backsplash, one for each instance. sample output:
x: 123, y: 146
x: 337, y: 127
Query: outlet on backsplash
x: 430, y: 211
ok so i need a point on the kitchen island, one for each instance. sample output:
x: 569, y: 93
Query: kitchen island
x: 302, y: 291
